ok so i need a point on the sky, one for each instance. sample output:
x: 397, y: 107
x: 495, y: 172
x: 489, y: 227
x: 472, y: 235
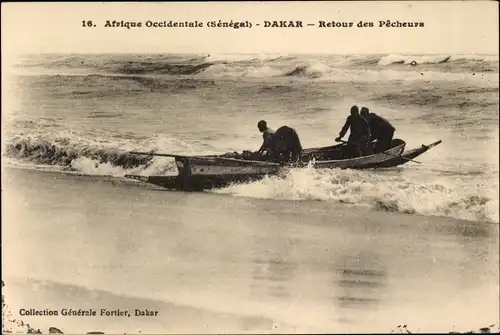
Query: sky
x: 450, y: 27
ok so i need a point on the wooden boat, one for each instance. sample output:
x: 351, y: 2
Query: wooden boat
x: 205, y: 172
x: 407, y: 156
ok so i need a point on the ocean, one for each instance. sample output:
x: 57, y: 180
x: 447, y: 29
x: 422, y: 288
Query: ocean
x: 313, y: 251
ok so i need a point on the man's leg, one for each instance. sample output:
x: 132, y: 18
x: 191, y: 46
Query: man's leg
x: 364, y: 143
x: 386, y: 142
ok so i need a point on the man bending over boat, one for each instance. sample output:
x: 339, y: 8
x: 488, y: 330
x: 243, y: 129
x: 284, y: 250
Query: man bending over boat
x: 283, y: 145
x: 382, y: 130
x: 287, y: 145
x: 267, y: 134
x: 360, y: 135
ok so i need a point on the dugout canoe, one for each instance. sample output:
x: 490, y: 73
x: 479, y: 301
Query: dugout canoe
x: 196, y: 173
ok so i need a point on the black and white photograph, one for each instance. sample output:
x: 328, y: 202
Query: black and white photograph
x: 253, y: 167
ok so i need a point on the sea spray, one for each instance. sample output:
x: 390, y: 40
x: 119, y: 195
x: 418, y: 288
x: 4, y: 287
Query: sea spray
x: 377, y: 190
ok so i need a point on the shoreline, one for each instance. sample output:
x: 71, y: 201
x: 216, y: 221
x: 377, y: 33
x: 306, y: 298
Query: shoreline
x: 11, y: 173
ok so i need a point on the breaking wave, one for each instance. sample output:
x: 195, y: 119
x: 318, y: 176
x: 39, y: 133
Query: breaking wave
x: 234, y: 65
x: 237, y: 71
x: 68, y: 153
x: 165, y: 68
x: 379, y: 191
x: 206, y: 76
x: 316, y: 70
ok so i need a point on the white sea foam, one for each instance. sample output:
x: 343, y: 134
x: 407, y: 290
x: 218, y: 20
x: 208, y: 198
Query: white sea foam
x: 380, y: 191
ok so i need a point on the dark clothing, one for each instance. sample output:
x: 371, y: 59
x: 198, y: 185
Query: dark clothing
x: 359, y: 137
x: 379, y: 125
x: 384, y: 142
x: 358, y: 146
x: 358, y: 125
x: 286, y: 145
x: 382, y: 131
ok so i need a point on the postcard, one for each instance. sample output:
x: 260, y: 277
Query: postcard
x: 250, y: 167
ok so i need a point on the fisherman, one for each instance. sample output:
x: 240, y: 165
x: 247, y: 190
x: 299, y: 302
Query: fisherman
x: 360, y: 135
x: 382, y: 130
x: 267, y: 134
x: 286, y: 144
x: 283, y: 145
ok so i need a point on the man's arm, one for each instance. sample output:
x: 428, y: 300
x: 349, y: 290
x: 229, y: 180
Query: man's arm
x: 262, y: 147
x: 345, y: 128
x: 265, y: 143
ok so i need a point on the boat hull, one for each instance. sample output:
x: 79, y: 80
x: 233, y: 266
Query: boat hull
x: 364, y: 162
x: 328, y: 159
x: 215, y: 166
x: 407, y: 156
x: 208, y: 172
x: 197, y: 183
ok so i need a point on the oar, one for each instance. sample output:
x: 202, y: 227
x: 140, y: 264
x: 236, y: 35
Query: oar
x: 155, y: 154
x: 385, y: 152
x: 200, y: 157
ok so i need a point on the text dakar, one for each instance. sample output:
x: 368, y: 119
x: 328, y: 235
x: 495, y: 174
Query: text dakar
x: 283, y: 24
x: 145, y: 312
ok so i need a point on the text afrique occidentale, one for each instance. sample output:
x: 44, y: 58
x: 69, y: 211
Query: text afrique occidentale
x: 265, y: 24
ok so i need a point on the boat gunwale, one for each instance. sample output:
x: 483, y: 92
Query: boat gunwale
x: 201, y: 159
x: 207, y: 161
x: 401, y: 146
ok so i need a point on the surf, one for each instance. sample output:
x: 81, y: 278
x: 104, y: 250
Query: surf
x: 387, y: 192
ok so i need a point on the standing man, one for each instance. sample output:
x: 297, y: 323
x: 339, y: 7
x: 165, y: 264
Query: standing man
x: 382, y: 130
x: 360, y: 135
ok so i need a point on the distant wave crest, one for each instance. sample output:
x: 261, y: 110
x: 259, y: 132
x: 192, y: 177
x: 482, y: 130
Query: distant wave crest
x: 433, y: 59
x: 413, y: 60
x: 308, y: 66
x: 316, y: 70
x: 162, y: 68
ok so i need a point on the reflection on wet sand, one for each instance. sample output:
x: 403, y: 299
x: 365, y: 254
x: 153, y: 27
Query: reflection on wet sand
x: 341, y: 278
x: 271, y: 274
x: 273, y: 264
x: 359, y: 280
x: 358, y: 287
